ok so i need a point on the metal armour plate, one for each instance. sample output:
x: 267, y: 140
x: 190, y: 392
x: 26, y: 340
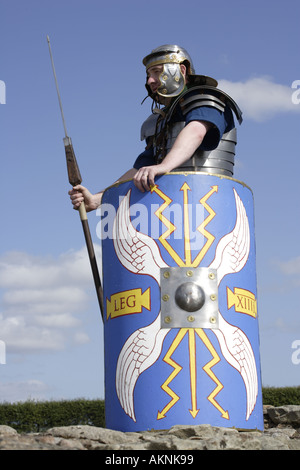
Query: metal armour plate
x: 189, y: 297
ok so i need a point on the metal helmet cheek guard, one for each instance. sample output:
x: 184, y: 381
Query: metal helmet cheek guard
x: 172, y: 79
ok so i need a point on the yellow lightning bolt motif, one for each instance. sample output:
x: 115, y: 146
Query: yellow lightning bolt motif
x: 177, y: 368
x: 193, y: 372
x: 171, y: 227
x: 210, y: 238
x: 182, y: 332
x: 207, y: 368
x: 187, y: 239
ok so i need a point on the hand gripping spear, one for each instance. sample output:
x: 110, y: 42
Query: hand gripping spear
x: 74, y: 179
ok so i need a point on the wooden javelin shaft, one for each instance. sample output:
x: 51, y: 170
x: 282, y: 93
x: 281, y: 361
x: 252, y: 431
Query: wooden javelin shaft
x: 74, y: 179
x: 92, y: 256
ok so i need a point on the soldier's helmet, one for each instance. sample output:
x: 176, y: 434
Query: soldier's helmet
x: 172, y: 80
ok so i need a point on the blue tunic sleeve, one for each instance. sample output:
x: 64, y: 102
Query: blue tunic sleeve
x: 222, y: 122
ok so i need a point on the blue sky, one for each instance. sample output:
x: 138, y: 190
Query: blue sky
x: 49, y: 317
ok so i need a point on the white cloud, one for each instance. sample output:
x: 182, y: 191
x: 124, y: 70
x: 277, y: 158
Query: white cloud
x: 61, y: 320
x: 290, y: 267
x: 18, y: 269
x: 23, y: 390
x: 42, y: 299
x: 260, y: 98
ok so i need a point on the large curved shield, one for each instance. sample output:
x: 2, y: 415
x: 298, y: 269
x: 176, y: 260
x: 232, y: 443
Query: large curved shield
x: 181, y: 326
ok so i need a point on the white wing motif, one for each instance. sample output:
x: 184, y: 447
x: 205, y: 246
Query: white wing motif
x: 139, y: 352
x: 237, y: 351
x: 233, y: 249
x: 136, y: 251
x: 231, y: 256
x: 139, y: 254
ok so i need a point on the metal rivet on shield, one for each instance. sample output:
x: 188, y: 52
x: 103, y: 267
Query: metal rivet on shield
x: 165, y: 297
x: 211, y: 276
x: 189, y: 273
x: 212, y: 320
x: 167, y: 319
x: 190, y: 318
x: 213, y: 297
x: 166, y: 274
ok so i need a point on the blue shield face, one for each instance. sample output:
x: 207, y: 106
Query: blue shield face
x: 181, y: 325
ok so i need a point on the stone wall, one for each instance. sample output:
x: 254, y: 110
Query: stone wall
x: 282, y: 432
